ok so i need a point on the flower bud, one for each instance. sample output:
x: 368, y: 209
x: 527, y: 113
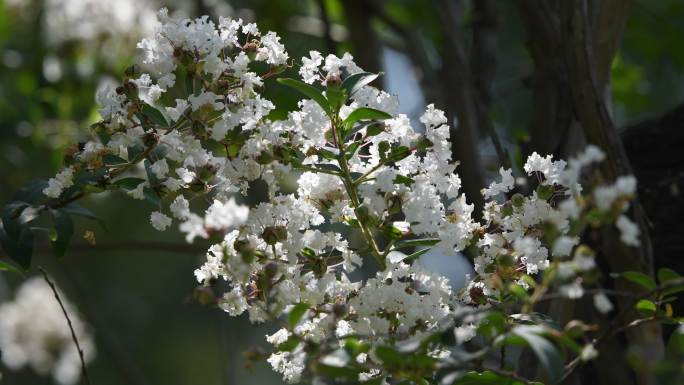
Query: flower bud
x: 250, y: 49
x: 333, y: 80
x: 271, y: 269
x: 204, y: 295
x: 132, y: 71
x: 476, y: 294
x: 340, y: 309
x: 150, y: 139
x: 319, y: 268
x: 507, y: 209
x: 265, y: 157
x: 274, y: 234
x: 545, y: 192
x: 518, y: 200
x: 246, y: 250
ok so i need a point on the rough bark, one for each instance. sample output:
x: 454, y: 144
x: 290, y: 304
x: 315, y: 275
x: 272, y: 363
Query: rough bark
x: 572, y: 44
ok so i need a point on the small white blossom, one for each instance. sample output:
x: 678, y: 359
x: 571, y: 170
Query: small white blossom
x: 602, y: 303
x: 160, y: 221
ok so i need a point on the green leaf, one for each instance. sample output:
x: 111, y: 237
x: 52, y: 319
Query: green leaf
x: 545, y: 192
x: 392, y: 232
x: 665, y: 274
x: 398, y: 154
x: 389, y: 356
x: 355, y: 82
x: 309, y: 91
x: 6, y: 266
x: 154, y: 115
x: 128, y: 183
x: 78, y: 210
x: 645, y: 306
x: 297, y: 313
x: 134, y: 151
x: 416, y: 255
x: 416, y: 242
x: 364, y: 113
x: 354, y: 347
x: 10, y: 217
x: 546, y: 352
x: 289, y: 345
x: 150, y: 175
x: 338, y: 372
x: 336, y: 98
x: 151, y: 196
x: 113, y: 160
x: 640, y: 279
x: 401, y: 179
x: 32, y: 192
x: 64, y: 227
x: 328, y: 167
x: 374, y: 129
x: 19, y: 248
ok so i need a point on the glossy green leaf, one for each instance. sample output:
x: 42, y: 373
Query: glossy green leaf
x: 74, y: 208
x: 398, y: 154
x: 19, y: 248
x: 546, y: 352
x: 31, y: 192
x: 374, y: 129
x: 665, y: 274
x: 401, y: 179
x: 297, y: 313
x: 113, y: 160
x: 355, y: 82
x: 128, y: 183
x: 154, y: 115
x: 6, y: 266
x: 10, y: 217
x: 134, y: 151
x: 364, y: 113
x: 645, y: 306
x: 416, y: 242
x: 640, y: 279
x: 309, y: 91
x: 389, y: 356
x: 336, y: 98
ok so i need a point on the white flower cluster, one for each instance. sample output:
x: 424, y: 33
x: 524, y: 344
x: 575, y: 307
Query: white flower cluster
x: 359, y: 165
x: 34, y: 332
x: 521, y: 236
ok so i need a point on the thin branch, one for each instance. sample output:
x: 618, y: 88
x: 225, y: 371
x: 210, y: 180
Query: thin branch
x: 71, y: 327
x: 614, y: 328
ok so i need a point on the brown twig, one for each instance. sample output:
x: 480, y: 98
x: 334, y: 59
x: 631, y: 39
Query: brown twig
x: 71, y: 327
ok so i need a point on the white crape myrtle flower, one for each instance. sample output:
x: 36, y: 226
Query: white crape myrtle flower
x: 507, y: 183
x: 225, y: 215
x: 309, y: 69
x: 61, y: 181
x: 629, y: 231
x: 340, y: 193
x: 35, y: 333
x: 160, y: 221
x: 602, y: 303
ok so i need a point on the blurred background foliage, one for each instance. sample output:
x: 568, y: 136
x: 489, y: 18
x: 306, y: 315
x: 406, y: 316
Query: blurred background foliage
x: 135, y: 286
